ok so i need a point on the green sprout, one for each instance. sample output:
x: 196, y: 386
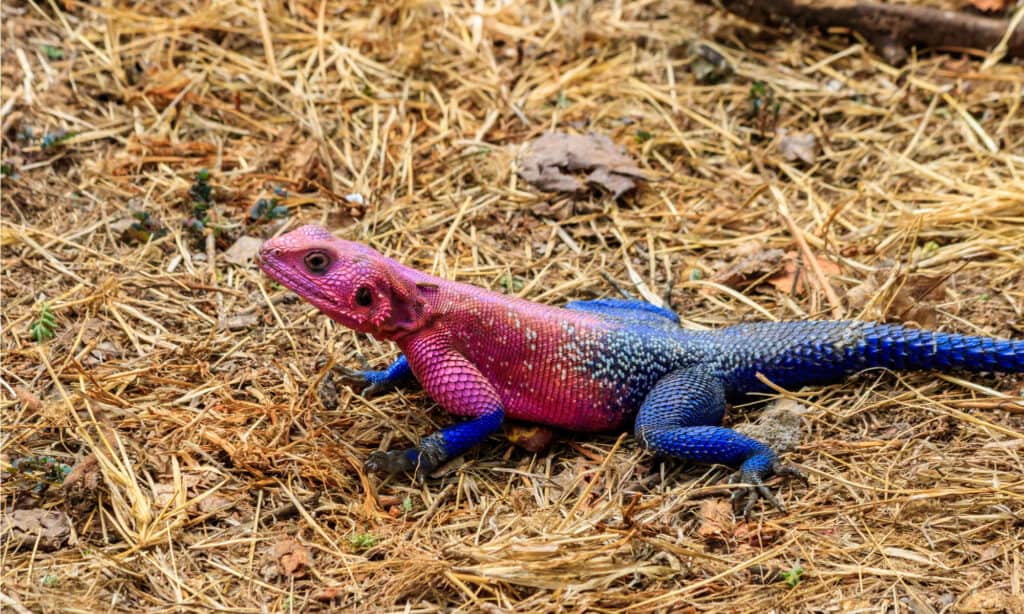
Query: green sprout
x: 269, y: 208
x: 763, y: 106
x: 202, y: 199
x: 52, y: 139
x: 793, y: 576
x: 363, y: 541
x: 53, y: 53
x: 45, y: 326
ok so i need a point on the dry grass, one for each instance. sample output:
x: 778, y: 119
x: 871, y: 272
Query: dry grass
x: 197, y: 401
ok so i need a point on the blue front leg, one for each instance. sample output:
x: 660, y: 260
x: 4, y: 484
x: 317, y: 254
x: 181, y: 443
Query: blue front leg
x: 397, y: 374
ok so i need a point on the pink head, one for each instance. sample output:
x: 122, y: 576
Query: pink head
x: 349, y: 282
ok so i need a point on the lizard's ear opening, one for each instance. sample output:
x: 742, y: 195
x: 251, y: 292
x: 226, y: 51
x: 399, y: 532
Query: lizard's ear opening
x: 407, y: 308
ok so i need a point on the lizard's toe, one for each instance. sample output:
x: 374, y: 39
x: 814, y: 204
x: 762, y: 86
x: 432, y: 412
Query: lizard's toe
x: 366, y: 381
x: 753, y: 472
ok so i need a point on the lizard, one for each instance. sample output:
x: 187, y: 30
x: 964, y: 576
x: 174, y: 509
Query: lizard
x: 593, y: 365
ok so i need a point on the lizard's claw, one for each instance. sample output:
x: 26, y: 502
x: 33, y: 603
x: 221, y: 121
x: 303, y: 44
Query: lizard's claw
x: 367, y: 381
x: 394, y: 462
x: 388, y: 463
x: 757, y: 490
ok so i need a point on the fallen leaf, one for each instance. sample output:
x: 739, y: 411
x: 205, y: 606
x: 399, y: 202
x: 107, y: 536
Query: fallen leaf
x: 748, y: 269
x: 990, y: 6
x: 85, y: 476
x: 28, y: 399
x: 330, y: 593
x: 553, y: 162
x: 21, y: 529
x: 801, y: 146
x: 784, y: 281
x: 756, y: 534
x: 243, y: 250
x: 214, y: 504
x: 908, y: 298
x: 779, y: 425
x: 292, y: 557
x: 716, y: 520
x: 530, y: 437
x: 992, y: 600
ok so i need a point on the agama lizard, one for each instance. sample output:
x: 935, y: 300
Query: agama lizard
x: 594, y: 365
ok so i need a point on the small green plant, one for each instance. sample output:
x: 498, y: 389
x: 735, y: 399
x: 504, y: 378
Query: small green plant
x: 562, y: 101
x: 363, y: 541
x: 145, y: 228
x: 201, y: 194
x: 642, y: 136
x: 267, y: 209
x: 45, y: 325
x: 52, y: 139
x: 50, y: 580
x: 45, y: 471
x: 511, y: 283
x: 53, y: 53
x: 407, y: 505
x: 793, y: 576
x: 764, y: 108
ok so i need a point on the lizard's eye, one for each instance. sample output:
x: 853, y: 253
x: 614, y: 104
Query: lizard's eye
x: 364, y: 298
x: 317, y: 261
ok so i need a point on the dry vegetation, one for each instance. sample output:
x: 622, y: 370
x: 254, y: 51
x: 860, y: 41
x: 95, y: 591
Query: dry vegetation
x: 182, y: 387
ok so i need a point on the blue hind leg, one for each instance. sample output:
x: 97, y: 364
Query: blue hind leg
x: 679, y: 417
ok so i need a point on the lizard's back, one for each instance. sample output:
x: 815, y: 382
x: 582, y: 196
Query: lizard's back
x: 562, y: 367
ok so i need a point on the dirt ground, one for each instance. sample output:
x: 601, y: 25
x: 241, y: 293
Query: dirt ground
x: 165, y: 447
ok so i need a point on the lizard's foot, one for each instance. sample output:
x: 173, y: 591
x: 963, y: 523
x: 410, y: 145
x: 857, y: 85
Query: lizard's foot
x: 754, y: 471
x: 367, y: 381
x: 400, y: 461
x: 389, y: 463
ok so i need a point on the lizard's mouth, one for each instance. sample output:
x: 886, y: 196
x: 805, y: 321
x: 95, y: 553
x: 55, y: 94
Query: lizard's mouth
x: 293, y: 280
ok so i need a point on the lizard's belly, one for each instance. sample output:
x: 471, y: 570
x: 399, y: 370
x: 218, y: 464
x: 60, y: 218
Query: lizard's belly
x: 570, y: 394
x: 583, y: 408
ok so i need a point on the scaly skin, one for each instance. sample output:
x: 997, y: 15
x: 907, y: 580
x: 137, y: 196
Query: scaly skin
x: 594, y: 365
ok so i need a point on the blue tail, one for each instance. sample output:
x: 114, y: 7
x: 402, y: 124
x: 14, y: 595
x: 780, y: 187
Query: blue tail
x: 897, y: 347
x: 794, y: 354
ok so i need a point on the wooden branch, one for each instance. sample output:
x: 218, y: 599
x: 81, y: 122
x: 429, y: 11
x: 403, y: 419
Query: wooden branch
x: 888, y: 26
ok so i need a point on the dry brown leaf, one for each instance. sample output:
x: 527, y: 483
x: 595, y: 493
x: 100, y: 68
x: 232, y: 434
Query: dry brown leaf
x: 751, y: 267
x: 779, y: 425
x: 992, y: 600
x: 530, y: 437
x: 553, y: 162
x: 716, y: 520
x: 990, y: 6
x: 330, y: 593
x: 84, y: 478
x: 292, y: 557
x: 21, y: 529
x: 756, y: 534
x: 802, y: 146
x: 243, y: 250
x: 910, y: 299
x: 28, y: 398
x: 784, y: 281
